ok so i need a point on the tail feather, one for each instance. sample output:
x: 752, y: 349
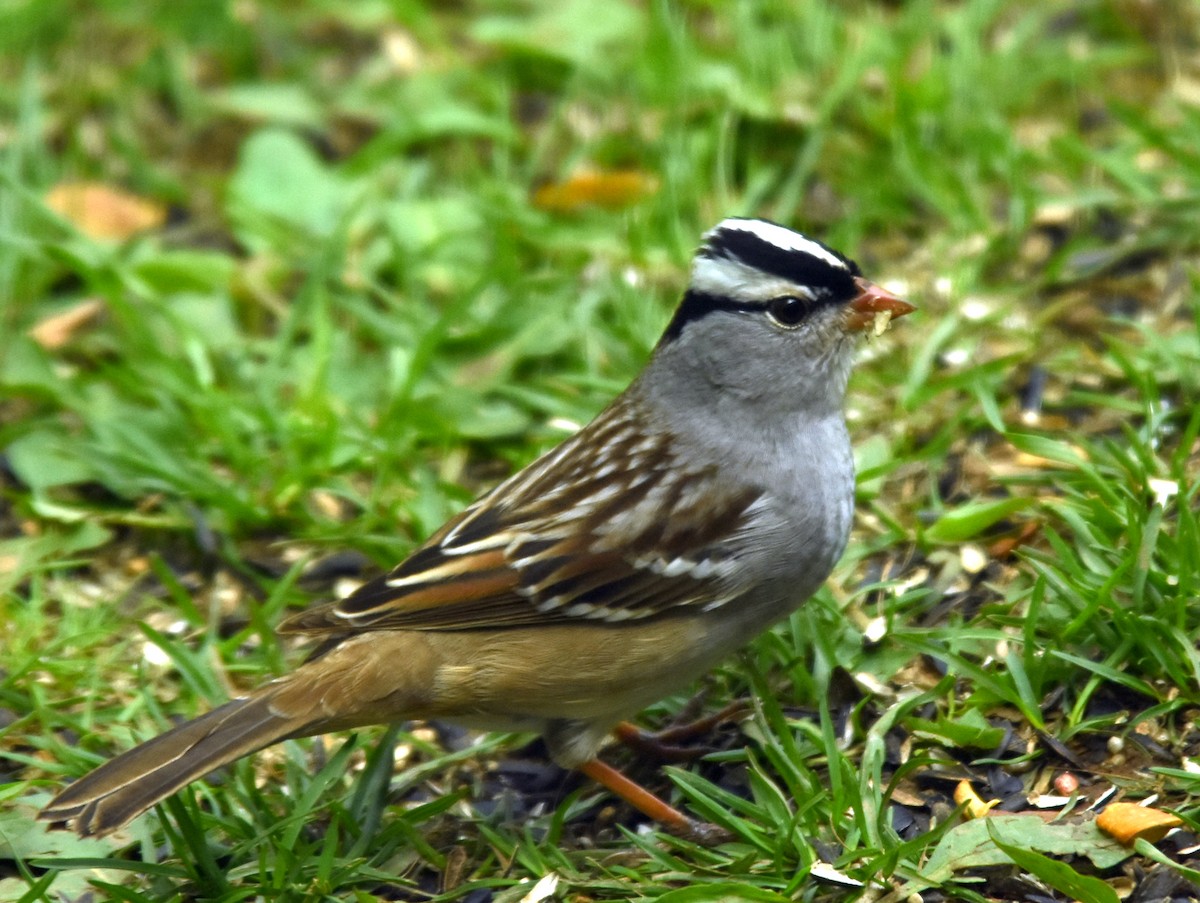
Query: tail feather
x: 125, y: 787
x: 372, y: 678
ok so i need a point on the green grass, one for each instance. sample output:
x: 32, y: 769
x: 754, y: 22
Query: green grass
x: 356, y: 318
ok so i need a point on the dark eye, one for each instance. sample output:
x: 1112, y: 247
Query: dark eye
x: 788, y: 310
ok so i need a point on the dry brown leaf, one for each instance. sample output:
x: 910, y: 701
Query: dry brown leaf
x: 56, y: 330
x: 455, y: 869
x: 1003, y: 548
x: 906, y: 796
x: 103, y: 212
x: 596, y: 188
x: 1128, y: 821
x: 917, y: 673
x: 1037, y: 462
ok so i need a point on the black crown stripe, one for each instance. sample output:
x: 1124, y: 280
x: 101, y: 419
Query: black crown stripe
x: 796, y: 266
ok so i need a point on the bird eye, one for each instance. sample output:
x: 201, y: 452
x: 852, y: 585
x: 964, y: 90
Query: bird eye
x: 788, y: 311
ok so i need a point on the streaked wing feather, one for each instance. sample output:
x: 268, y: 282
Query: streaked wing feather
x: 603, y: 527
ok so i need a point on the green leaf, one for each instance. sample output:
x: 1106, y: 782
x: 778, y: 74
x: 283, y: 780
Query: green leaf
x: 570, y: 31
x: 970, y: 731
x: 874, y: 459
x: 973, y: 518
x: 1058, y: 875
x: 187, y: 270
x: 281, y: 180
x: 283, y: 104
x: 970, y: 845
x: 1050, y: 449
x: 491, y: 420
x: 25, y: 366
x: 46, y: 458
x: 1145, y: 848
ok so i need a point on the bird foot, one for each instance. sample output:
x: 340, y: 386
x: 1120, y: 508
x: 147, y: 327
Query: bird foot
x: 702, y: 833
x: 665, y: 745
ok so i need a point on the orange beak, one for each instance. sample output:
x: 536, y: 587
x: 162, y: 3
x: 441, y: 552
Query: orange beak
x: 870, y: 302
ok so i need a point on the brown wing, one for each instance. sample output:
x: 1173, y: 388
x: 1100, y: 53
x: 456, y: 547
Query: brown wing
x: 604, y: 527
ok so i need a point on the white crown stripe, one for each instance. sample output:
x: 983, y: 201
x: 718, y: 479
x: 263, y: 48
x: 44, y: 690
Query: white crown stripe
x: 781, y: 237
x: 723, y: 277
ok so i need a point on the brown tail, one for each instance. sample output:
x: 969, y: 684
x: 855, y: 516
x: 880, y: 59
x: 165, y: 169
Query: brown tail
x: 125, y: 787
x: 372, y: 678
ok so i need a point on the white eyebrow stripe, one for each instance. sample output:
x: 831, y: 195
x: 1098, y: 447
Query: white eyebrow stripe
x: 779, y: 236
x: 726, y: 277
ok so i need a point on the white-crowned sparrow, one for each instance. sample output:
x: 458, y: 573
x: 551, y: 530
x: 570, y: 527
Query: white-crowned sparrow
x: 706, y: 502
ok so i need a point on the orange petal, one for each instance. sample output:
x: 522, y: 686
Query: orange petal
x: 1129, y: 821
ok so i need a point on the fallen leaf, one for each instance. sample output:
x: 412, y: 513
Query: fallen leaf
x: 1003, y: 548
x: 543, y: 890
x: 1128, y: 821
x: 57, y: 329
x: 823, y: 871
x: 971, y: 844
x: 611, y: 189
x: 965, y: 795
x: 103, y: 212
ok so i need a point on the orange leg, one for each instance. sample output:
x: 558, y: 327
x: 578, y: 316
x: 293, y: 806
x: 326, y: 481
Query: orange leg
x: 651, y: 806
